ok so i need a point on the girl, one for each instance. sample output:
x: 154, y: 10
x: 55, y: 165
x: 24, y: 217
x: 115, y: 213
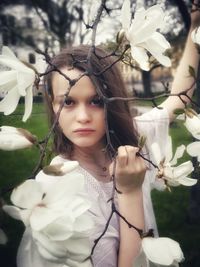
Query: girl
x: 80, y: 135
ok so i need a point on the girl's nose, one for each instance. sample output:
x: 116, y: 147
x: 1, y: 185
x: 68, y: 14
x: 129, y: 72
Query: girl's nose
x: 83, y: 114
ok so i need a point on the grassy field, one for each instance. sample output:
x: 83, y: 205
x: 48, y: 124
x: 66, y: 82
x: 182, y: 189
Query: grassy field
x: 170, y: 207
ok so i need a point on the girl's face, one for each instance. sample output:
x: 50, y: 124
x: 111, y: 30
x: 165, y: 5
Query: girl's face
x: 82, y: 117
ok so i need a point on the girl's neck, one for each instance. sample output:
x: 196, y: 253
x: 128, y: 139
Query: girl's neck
x: 90, y: 155
x: 95, y: 161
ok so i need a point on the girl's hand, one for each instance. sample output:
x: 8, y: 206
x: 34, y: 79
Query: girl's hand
x: 130, y: 169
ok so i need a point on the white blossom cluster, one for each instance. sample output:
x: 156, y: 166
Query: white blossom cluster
x: 58, y: 216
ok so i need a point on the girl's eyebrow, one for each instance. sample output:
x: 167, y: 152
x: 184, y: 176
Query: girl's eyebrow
x: 69, y: 96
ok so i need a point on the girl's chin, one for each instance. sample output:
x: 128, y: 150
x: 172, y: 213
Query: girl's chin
x: 89, y: 145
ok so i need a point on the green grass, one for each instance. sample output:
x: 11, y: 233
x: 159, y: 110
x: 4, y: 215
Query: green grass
x: 170, y: 208
x: 16, y: 166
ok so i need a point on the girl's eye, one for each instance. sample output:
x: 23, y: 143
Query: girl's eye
x: 97, y: 102
x: 69, y: 102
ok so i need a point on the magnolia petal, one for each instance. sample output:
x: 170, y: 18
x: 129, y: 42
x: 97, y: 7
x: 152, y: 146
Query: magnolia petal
x: 24, y: 81
x: 9, y: 53
x: 181, y: 117
x: 8, y: 130
x: 7, y: 77
x: 136, y: 23
x: 66, y: 187
x: 173, y: 182
x: 10, y: 101
x: 11, y: 139
x: 3, y: 237
x: 193, y: 149
x: 12, y: 211
x: 60, y: 169
x: 154, y: 47
x: 187, y: 181
x: 83, y: 224
x: 143, y: 27
x: 168, y: 172
x: 126, y: 15
x: 195, y: 35
x: 168, y: 151
x: 79, y: 248
x: 44, y: 244
x: 28, y: 103
x: 140, y: 55
x: 42, y: 216
x: 69, y: 166
x: 12, y: 63
x: 8, y: 58
x: 60, y: 229
x: 48, y: 256
x: 27, y: 195
x: 193, y: 126
x: 18, y: 214
x: 178, y: 154
x: 159, y: 38
x: 156, y: 153
x: 159, y: 185
x: 164, y: 251
x: 183, y: 170
x: 13, y: 142
x: 5, y: 88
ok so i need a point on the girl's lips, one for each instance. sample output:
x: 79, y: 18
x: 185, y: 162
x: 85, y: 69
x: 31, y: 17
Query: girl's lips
x: 84, y: 130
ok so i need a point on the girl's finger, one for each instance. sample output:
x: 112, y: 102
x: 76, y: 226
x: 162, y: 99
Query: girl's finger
x: 131, y: 153
x: 122, y: 157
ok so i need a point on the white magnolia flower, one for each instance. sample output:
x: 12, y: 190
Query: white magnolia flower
x: 163, y: 251
x: 3, y: 237
x: 192, y: 123
x: 57, y: 216
x: 142, y: 34
x: 12, y: 138
x: 173, y: 176
x: 60, y: 169
x: 195, y: 35
x: 193, y: 150
x: 16, y: 82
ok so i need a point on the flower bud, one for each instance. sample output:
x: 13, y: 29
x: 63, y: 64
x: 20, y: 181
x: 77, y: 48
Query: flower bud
x: 120, y: 36
x: 12, y: 138
x: 61, y: 168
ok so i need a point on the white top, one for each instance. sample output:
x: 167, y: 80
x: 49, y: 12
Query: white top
x: 154, y: 125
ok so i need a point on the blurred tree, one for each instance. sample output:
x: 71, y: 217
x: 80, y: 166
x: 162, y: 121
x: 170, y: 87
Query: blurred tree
x: 60, y: 21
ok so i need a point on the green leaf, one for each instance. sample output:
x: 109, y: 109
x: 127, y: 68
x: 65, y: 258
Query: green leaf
x: 142, y: 141
x: 178, y: 111
x: 192, y: 72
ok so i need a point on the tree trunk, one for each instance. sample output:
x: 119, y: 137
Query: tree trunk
x: 183, y: 9
x: 146, y: 79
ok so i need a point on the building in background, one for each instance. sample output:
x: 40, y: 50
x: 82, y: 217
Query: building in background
x: 16, y: 20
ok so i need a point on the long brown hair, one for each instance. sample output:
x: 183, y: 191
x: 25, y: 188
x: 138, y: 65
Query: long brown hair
x: 110, y: 83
